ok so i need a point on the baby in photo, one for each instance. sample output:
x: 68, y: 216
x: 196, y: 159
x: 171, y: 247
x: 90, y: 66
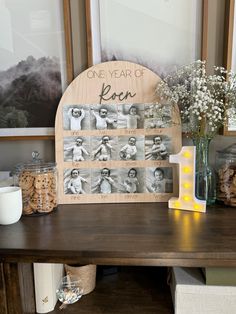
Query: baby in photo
x: 75, y: 184
x: 105, y: 183
x: 103, y: 119
x: 131, y: 183
x: 129, y: 150
x: 157, y: 151
x: 104, y: 151
x: 161, y: 183
x: 76, y: 115
x: 130, y: 116
x: 78, y: 151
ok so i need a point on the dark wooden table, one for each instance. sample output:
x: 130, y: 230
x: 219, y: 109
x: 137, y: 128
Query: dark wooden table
x: 118, y: 234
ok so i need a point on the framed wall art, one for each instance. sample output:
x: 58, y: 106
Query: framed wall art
x: 114, y: 137
x: 160, y: 35
x: 36, y: 65
x: 230, y: 54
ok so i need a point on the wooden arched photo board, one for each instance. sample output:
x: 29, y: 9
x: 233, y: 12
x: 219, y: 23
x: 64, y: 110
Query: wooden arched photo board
x: 113, y: 137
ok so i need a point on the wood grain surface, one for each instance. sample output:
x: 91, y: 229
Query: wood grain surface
x: 123, y: 234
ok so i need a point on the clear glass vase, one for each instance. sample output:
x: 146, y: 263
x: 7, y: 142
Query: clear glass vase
x: 205, y: 181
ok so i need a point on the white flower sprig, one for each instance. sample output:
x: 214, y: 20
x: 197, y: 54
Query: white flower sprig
x: 205, y: 101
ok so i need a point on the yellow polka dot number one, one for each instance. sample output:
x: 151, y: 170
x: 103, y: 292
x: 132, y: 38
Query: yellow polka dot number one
x: 187, y: 199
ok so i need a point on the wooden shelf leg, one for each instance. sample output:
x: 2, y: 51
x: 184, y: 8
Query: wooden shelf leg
x: 11, y: 288
x: 3, y: 296
x: 26, y: 281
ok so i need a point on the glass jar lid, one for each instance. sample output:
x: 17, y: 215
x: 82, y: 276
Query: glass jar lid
x: 228, y: 152
x: 36, y: 165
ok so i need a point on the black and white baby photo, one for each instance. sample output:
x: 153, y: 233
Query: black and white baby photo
x: 157, y: 147
x: 77, y: 181
x: 131, y: 180
x: 76, y: 148
x: 158, y: 116
x: 103, y: 117
x: 104, y: 181
x: 130, y: 116
x: 104, y: 148
x: 131, y: 148
x: 159, y: 180
x: 76, y: 117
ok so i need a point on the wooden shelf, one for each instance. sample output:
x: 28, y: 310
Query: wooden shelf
x: 127, y: 235
x: 132, y: 290
x: 148, y: 234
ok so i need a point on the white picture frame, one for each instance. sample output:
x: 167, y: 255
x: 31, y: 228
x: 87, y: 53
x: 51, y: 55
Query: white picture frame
x: 115, y: 31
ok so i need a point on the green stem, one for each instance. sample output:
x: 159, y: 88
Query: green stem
x: 203, y: 121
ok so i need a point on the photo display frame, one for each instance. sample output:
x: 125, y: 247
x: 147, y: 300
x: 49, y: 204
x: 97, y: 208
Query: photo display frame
x: 113, y: 137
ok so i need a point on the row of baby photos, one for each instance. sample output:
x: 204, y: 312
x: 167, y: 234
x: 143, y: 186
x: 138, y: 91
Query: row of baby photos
x: 113, y: 116
x: 123, y: 180
x: 103, y: 148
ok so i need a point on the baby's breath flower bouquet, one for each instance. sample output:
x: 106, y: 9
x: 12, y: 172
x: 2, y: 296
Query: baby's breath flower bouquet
x: 205, y: 102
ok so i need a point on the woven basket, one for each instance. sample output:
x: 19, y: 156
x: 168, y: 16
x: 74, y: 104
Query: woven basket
x: 86, y: 273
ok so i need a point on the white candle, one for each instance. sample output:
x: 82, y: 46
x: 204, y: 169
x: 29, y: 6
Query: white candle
x: 186, y: 200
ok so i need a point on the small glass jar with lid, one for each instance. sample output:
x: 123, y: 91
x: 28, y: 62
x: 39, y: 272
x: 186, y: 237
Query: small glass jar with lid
x: 38, y: 181
x: 226, y: 172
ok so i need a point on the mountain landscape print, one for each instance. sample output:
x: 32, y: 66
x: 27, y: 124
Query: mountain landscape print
x: 30, y: 92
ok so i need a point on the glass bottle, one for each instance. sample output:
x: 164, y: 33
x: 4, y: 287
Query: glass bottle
x: 205, y: 182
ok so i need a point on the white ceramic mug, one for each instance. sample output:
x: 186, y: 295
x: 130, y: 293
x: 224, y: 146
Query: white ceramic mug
x: 10, y: 205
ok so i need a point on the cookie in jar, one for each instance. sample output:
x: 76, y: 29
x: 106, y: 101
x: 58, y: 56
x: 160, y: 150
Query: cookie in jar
x: 38, y: 181
x: 226, y: 171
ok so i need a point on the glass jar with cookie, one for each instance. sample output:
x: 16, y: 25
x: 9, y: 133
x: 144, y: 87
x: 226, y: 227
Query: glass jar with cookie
x: 226, y: 175
x: 38, y: 181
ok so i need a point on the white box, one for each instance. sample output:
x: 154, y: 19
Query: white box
x: 47, y: 278
x: 190, y: 294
